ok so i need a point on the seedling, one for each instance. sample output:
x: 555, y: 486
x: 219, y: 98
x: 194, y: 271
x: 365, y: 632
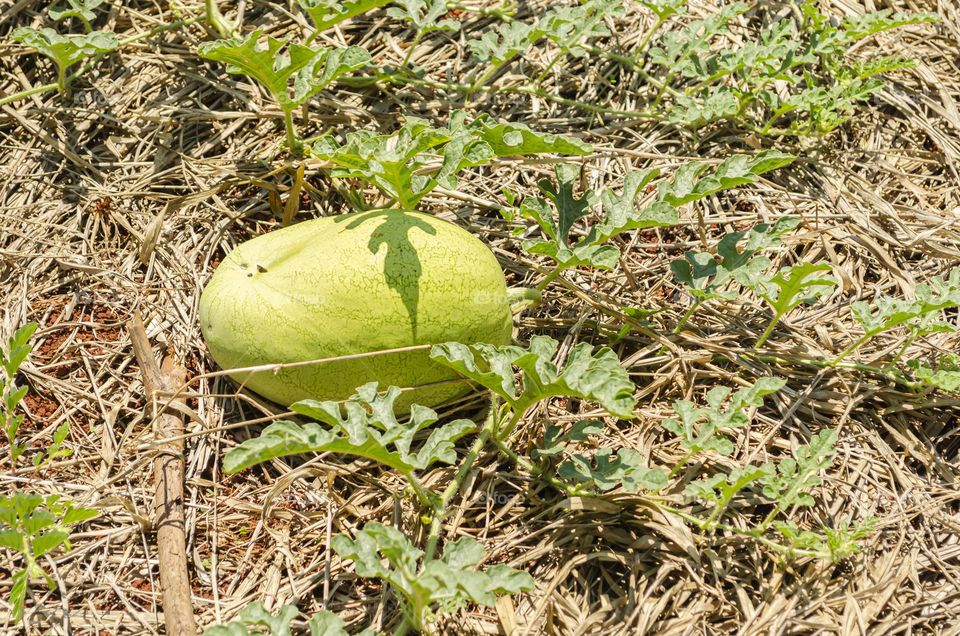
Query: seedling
x: 33, y: 526
x: 789, y: 482
x: 606, y: 469
x: 701, y: 430
x: 18, y: 348
x: 786, y: 484
x: 944, y: 374
x: 425, y: 16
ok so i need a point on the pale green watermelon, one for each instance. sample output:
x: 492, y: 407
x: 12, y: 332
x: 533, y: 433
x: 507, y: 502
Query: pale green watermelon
x: 354, y: 284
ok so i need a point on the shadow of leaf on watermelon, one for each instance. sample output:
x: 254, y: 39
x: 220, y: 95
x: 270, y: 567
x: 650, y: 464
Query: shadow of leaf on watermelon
x: 358, y: 285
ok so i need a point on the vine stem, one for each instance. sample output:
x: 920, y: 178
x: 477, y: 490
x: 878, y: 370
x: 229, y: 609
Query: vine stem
x: 62, y: 83
x: 753, y: 533
x: 906, y: 345
x: 549, y: 278
x: 649, y: 36
x: 292, y: 143
x: 849, y: 350
x: 216, y: 20
x: 546, y: 71
x: 45, y: 88
x: 403, y: 627
x: 702, y: 524
x: 679, y: 465
x: 686, y: 316
x: 413, y: 45
x: 533, y: 469
x: 441, y: 506
x: 477, y: 85
x: 399, y: 79
x: 767, y: 332
x: 422, y: 493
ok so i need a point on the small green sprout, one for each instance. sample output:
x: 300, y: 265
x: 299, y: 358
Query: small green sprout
x: 66, y: 50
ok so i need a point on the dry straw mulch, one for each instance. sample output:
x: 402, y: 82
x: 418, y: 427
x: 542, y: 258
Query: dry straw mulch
x: 127, y: 198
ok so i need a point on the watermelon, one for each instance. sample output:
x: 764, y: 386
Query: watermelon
x: 354, y: 285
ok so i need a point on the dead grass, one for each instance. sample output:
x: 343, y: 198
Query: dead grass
x: 127, y: 199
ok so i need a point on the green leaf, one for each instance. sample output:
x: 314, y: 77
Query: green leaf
x: 604, y: 471
x: 423, y: 15
x: 504, y: 43
x: 517, y: 140
x: 266, y: 64
x: 569, y: 207
x: 48, y: 541
x: 18, y: 348
x: 680, y: 50
x: 390, y: 162
x: 833, y: 544
x: 859, y: 27
x: 327, y: 13
x: 11, y: 539
x: 368, y: 428
x: 256, y: 615
x: 18, y: 593
x: 794, y: 285
x: 699, y: 429
x: 65, y: 50
x: 276, y: 63
x: 888, y: 313
x: 73, y: 516
x: 688, y: 184
x: 463, y: 553
x: 38, y: 520
x: 588, y: 251
x: 621, y: 213
x: 717, y: 104
x: 555, y: 440
x: 401, y: 163
x: 705, y: 278
x: 80, y: 9
x: 571, y: 28
x: 943, y: 375
x: 593, y: 376
x: 326, y: 67
x: 438, y: 585
x: 788, y: 482
x: 940, y: 293
x: 931, y: 299
x: 720, y: 489
x: 665, y: 9
x: 329, y: 624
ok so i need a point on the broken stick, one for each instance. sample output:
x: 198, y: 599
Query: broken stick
x: 159, y: 383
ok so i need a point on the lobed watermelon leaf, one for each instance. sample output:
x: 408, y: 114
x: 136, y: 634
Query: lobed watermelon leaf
x: 366, y: 427
x: 586, y: 374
